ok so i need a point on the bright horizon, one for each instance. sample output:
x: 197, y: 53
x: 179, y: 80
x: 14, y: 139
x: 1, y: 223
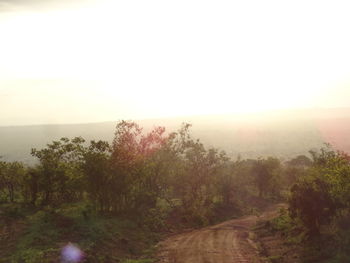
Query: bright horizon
x: 95, y: 61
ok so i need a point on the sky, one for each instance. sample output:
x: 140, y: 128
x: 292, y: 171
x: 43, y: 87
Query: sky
x: 89, y: 61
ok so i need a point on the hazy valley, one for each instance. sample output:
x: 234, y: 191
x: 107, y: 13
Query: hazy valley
x: 283, y: 134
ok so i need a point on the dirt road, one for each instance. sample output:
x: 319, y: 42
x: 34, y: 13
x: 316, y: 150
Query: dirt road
x: 228, y: 242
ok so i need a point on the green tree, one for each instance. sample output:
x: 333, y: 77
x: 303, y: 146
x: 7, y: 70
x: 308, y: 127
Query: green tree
x: 323, y: 193
x: 267, y: 176
x: 133, y: 182
x: 96, y: 167
x: 30, y: 188
x: 311, y: 201
x: 196, y: 178
x: 60, y: 176
x: 301, y: 160
x: 11, y: 176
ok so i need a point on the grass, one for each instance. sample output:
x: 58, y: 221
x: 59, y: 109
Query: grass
x: 329, y: 247
x: 102, y: 238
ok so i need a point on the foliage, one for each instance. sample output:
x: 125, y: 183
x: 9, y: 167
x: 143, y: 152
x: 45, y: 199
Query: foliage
x: 323, y: 193
x: 91, y: 192
x: 312, y: 202
x: 135, y: 172
x: 11, y: 177
x: 319, y: 202
x: 267, y: 176
x: 59, y: 174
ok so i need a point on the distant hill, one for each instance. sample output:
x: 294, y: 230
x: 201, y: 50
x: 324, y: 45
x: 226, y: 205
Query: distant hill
x: 282, y: 134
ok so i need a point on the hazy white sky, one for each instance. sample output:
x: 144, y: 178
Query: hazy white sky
x: 86, y: 61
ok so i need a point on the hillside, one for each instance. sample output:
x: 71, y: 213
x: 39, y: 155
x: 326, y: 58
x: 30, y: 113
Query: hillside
x: 283, y: 134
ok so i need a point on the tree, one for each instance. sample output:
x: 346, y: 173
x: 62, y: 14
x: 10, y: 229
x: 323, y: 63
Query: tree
x: 195, y: 175
x: 31, y: 184
x: 60, y: 177
x: 133, y: 182
x: 301, y: 161
x: 11, y: 176
x: 96, y: 167
x: 311, y: 201
x: 323, y: 193
x: 266, y: 173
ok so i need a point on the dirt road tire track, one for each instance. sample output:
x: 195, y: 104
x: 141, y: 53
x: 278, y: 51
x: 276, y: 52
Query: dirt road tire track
x: 227, y: 242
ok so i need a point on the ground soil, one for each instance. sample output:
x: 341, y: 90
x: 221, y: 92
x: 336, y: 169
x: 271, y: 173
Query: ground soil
x: 227, y: 242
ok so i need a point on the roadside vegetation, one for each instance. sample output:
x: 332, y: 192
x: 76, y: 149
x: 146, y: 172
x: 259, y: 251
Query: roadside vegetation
x: 116, y: 201
x: 315, y: 227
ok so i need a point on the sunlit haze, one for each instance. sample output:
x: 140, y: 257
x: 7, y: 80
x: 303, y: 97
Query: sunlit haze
x: 89, y: 61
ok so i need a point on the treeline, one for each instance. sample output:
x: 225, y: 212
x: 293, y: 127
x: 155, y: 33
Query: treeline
x: 148, y: 176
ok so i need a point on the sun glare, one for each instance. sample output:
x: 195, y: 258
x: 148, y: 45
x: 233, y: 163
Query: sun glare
x: 203, y: 59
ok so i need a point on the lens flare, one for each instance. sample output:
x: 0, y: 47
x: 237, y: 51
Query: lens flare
x: 71, y: 253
